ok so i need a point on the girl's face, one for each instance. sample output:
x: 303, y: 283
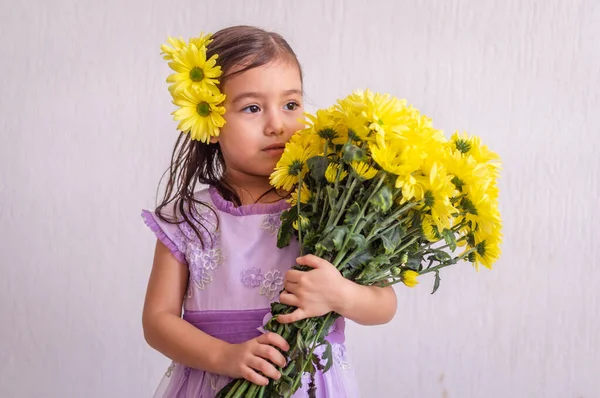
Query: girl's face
x: 263, y: 110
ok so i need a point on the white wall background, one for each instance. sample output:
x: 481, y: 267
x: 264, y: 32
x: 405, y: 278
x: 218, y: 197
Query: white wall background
x: 86, y: 132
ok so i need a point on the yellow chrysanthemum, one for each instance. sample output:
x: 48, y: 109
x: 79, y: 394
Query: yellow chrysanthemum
x: 487, y: 249
x: 326, y: 126
x: 176, y: 44
x: 292, y: 165
x: 193, y: 70
x: 305, y: 196
x: 409, y: 277
x: 332, y: 172
x: 350, y: 121
x: 437, y: 191
x: 481, y: 208
x: 388, y: 156
x: 304, y: 222
x: 363, y: 170
x: 471, y: 145
x: 200, y: 114
x: 429, y: 229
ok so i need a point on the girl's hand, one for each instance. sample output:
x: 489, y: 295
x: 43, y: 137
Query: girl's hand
x: 247, y: 359
x: 315, y: 293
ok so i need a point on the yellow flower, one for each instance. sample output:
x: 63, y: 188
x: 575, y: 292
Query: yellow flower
x: 409, y: 278
x: 464, y: 144
x: 304, y: 223
x: 200, y: 114
x: 193, y: 70
x: 487, y: 249
x: 436, y: 194
x: 349, y: 121
x: 325, y: 125
x: 388, y: 156
x: 363, y: 170
x: 430, y: 229
x: 332, y: 172
x: 305, y: 195
x: 292, y: 165
x: 177, y: 44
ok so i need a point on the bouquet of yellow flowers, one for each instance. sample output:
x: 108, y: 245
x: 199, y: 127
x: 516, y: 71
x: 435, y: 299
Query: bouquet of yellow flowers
x: 385, y: 197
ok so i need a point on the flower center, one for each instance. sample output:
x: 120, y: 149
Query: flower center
x: 463, y: 146
x: 295, y: 168
x: 429, y: 199
x: 203, y: 109
x: 196, y: 74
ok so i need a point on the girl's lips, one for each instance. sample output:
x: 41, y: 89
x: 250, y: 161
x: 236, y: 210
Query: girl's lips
x: 274, y: 151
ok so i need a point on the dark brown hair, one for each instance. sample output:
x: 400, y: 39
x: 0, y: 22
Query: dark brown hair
x: 239, y: 48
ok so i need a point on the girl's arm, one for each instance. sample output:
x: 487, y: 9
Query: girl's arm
x: 177, y: 339
x: 324, y: 289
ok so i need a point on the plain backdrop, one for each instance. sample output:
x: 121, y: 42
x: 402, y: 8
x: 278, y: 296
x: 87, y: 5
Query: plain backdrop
x: 86, y: 133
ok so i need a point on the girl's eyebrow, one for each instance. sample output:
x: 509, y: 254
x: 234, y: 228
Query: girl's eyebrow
x: 250, y: 95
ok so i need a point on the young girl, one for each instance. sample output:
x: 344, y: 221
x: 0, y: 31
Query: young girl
x: 216, y: 252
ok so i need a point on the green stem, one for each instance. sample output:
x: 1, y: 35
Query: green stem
x: 444, y: 265
x: 299, y: 219
x: 242, y: 389
x: 344, y: 203
x: 234, y: 388
x: 390, y: 219
x: 299, y: 376
x: 342, y: 251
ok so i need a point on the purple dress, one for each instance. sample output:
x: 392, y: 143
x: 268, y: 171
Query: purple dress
x: 232, y: 282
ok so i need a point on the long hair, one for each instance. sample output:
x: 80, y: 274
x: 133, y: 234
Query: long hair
x: 194, y: 162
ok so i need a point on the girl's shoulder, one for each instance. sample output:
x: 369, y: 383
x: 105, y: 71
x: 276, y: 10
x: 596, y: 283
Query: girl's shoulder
x: 178, y: 223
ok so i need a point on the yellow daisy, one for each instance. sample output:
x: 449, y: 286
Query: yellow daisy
x: 325, y: 125
x: 436, y: 195
x: 388, y: 155
x: 200, y: 114
x: 409, y: 277
x: 429, y: 229
x: 332, y: 172
x: 351, y: 121
x: 363, y: 170
x: 305, y: 195
x: 487, y: 249
x: 292, y: 165
x: 471, y: 145
x: 193, y: 70
x: 176, y: 44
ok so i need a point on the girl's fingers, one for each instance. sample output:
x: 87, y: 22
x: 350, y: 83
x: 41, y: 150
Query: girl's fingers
x: 289, y: 299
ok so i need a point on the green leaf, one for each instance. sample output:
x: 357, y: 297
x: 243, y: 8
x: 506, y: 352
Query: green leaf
x: 300, y: 341
x: 357, y: 241
x: 352, y: 214
x: 450, y: 238
x: 338, y: 235
x: 327, y: 356
x: 436, y: 284
x: 382, y: 201
x: 441, y: 255
x: 286, y: 229
x: 318, y: 166
x: 334, y: 240
x: 414, y: 262
x: 359, y: 261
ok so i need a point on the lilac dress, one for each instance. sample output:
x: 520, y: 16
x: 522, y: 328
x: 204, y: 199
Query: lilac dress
x: 232, y: 282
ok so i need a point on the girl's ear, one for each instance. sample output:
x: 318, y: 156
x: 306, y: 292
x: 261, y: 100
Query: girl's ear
x: 214, y: 140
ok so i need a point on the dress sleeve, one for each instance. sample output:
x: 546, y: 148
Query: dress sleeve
x: 168, y: 234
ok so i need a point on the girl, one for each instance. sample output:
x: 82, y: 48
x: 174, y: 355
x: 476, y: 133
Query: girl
x: 216, y: 252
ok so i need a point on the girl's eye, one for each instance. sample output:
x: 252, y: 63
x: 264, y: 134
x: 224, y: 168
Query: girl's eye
x: 251, y: 109
x: 292, y: 106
